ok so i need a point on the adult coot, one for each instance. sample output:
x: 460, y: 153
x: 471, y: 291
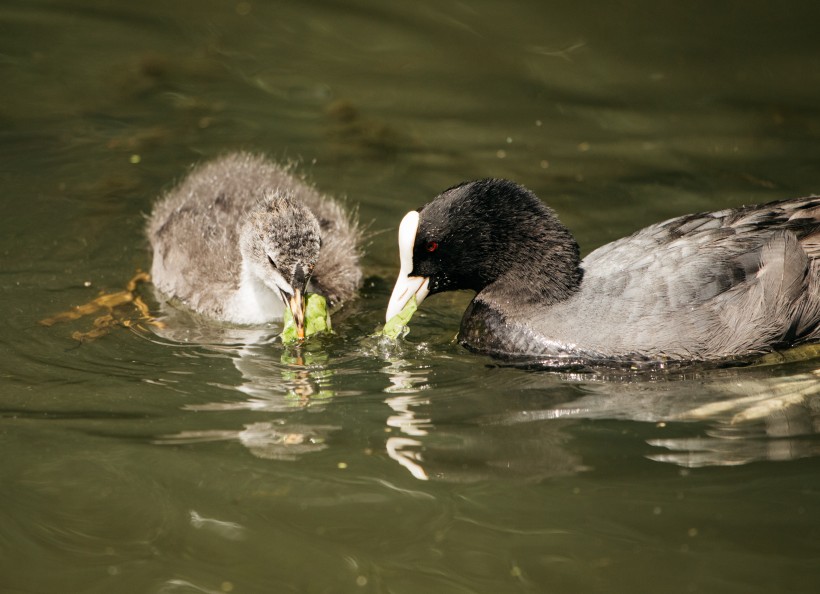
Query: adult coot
x: 701, y: 287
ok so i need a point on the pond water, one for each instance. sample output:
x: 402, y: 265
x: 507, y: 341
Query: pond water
x: 196, y: 458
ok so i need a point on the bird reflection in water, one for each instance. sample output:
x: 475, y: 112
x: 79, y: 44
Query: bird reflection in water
x: 741, y: 415
x: 530, y: 425
x: 405, y: 389
x: 445, y: 433
x: 299, y: 380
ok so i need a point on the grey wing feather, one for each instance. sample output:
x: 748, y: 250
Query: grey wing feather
x: 703, y: 285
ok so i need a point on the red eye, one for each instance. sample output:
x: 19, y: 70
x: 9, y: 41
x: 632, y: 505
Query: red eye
x: 431, y: 246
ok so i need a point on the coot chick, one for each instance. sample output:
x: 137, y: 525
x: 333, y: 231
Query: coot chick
x: 240, y: 237
x: 699, y: 287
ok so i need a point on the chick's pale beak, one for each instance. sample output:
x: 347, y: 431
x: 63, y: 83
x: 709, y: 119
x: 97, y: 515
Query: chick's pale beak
x: 407, y: 286
x: 296, y: 303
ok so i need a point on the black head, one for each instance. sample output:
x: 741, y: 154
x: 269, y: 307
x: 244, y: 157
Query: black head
x: 474, y: 233
x: 488, y: 233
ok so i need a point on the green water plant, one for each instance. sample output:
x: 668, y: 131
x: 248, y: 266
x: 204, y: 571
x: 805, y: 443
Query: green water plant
x: 396, y: 325
x: 317, y: 319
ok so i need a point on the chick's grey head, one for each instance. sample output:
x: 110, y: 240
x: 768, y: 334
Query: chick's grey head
x: 280, y: 244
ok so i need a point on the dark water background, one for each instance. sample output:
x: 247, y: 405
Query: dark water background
x: 193, y: 460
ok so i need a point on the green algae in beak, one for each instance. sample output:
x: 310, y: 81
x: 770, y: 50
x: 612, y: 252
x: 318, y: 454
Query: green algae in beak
x: 317, y: 319
x: 395, y: 325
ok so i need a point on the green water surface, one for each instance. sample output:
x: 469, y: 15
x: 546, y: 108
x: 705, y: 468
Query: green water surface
x: 199, y: 459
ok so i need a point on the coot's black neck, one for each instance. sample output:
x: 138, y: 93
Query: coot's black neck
x: 528, y: 256
x: 544, y: 272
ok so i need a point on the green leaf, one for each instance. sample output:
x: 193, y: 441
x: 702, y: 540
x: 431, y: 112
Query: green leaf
x: 317, y: 319
x: 397, y: 323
